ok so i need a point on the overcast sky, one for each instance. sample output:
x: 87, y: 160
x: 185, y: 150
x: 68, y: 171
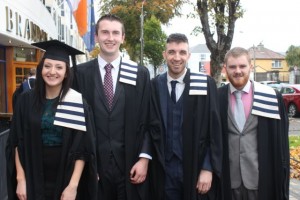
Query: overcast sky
x: 275, y: 23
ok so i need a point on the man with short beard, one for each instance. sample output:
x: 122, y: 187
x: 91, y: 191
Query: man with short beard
x: 185, y: 128
x: 255, y: 135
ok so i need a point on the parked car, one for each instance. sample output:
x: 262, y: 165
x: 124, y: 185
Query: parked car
x: 291, y: 98
x: 268, y: 82
x: 276, y: 86
x: 224, y: 83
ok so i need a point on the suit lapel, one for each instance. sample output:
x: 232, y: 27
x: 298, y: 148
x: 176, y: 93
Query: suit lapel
x: 99, y: 84
x: 231, y: 117
x: 229, y: 112
x: 163, y: 96
x: 187, y: 99
x: 119, y: 87
x: 248, y: 121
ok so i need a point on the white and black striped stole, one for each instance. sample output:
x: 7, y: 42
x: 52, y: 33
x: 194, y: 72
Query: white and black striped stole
x: 70, y: 112
x: 128, y: 72
x: 265, y: 102
x: 198, y: 83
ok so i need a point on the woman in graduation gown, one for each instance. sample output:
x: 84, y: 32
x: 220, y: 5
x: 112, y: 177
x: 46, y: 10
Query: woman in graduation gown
x: 51, y: 151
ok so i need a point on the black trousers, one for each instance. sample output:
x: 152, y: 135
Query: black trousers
x: 50, y: 165
x: 242, y: 193
x: 174, y: 179
x: 112, y: 182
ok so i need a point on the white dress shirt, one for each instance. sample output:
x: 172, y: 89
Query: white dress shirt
x: 179, y: 86
x: 114, y: 70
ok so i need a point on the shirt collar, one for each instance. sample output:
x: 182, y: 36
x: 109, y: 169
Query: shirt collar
x: 246, y: 89
x: 180, y: 79
x: 115, y: 63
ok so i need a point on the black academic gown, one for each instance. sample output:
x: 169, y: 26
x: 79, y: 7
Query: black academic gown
x: 25, y: 134
x: 201, y: 129
x: 137, y: 97
x: 273, y: 152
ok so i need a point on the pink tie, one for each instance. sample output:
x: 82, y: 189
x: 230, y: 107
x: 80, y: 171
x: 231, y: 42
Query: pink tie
x: 108, y: 85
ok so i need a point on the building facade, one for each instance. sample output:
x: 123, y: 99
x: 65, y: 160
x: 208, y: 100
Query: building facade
x: 24, y: 22
x: 268, y: 65
x: 200, y: 59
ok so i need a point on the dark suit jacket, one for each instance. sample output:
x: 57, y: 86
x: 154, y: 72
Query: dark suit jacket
x: 125, y: 127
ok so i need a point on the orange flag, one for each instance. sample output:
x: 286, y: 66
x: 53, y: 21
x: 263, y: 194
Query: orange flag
x: 80, y: 15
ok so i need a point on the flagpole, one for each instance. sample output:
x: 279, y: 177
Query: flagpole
x: 142, y: 33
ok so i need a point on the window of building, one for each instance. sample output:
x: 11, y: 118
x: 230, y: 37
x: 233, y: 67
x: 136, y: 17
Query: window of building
x: 61, y: 5
x: 71, y: 20
x: 24, y: 54
x: 62, y: 32
x: 54, y: 16
x: 201, y: 67
x: 202, y: 56
x: 59, y: 28
x: 276, y: 64
x: 71, y: 39
x: 48, y: 8
x: 22, y: 72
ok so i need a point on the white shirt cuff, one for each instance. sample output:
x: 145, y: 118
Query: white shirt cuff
x: 144, y: 155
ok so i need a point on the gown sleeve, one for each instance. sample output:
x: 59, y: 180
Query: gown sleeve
x: 84, y: 148
x: 14, y: 140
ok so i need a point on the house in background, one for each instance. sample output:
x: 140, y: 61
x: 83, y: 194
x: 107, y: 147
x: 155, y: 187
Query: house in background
x: 200, y: 59
x: 268, y: 65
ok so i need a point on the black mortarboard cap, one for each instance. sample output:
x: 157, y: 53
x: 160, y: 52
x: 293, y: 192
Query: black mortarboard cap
x: 57, y: 50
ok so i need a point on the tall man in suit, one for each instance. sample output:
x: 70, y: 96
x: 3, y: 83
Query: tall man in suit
x: 118, y: 91
x: 186, y: 128
x: 255, y: 135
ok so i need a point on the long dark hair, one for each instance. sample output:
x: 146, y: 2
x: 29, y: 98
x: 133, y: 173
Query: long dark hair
x: 40, y: 88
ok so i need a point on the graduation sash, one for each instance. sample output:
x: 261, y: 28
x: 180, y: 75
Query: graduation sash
x: 265, y: 102
x: 70, y: 112
x: 198, y: 83
x: 128, y: 72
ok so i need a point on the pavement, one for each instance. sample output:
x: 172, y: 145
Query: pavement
x: 294, y: 128
x: 294, y: 189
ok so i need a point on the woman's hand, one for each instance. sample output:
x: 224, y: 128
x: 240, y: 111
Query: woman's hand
x: 21, y: 189
x: 69, y: 193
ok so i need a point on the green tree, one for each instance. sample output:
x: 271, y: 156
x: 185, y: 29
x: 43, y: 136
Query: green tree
x: 218, y: 19
x: 293, y: 56
x: 130, y: 12
x: 155, y: 40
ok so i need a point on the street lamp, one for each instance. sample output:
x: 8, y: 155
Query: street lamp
x: 254, y: 68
